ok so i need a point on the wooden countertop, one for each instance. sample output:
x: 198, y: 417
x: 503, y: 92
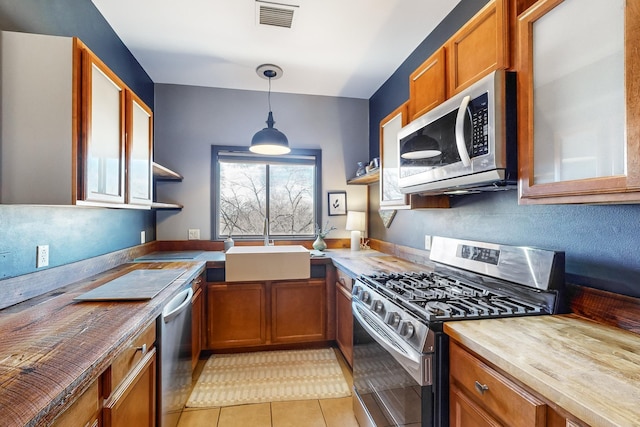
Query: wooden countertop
x: 586, y: 368
x: 52, y: 348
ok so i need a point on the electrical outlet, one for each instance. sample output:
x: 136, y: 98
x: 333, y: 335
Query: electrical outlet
x: 194, y: 234
x: 42, y: 256
x: 427, y: 242
x: 143, y: 237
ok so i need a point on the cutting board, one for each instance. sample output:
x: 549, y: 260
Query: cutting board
x: 135, y: 285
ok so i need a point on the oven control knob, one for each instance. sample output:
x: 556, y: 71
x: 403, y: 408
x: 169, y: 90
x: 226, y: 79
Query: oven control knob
x: 366, y: 297
x: 394, y: 319
x: 407, y: 330
x: 356, y: 290
x: 377, y: 306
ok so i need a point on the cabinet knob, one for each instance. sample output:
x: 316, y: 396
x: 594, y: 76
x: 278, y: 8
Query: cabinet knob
x: 481, y: 388
x: 142, y: 349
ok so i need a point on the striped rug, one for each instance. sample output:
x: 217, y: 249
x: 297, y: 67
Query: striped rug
x: 268, y: 376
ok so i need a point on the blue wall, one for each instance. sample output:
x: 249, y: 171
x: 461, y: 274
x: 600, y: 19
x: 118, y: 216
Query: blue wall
x: 599, y: 241
x: 72, y: 233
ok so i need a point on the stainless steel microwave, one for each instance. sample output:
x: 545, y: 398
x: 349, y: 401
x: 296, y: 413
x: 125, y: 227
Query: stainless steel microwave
x: 466, y: 144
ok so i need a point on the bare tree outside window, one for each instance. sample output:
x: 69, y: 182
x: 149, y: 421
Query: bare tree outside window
x: 251, y: 187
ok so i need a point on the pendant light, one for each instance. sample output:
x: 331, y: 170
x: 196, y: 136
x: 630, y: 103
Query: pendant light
x: 269, y: 140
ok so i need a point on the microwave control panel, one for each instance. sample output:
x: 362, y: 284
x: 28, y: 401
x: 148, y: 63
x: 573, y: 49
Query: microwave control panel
x: 480, y: 125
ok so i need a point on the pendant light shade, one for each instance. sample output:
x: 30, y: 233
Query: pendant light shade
x: 269, y: 140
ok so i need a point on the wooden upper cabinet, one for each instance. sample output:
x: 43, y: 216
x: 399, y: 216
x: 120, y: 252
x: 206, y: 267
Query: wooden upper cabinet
x: 476, y: 49
x: 139, y: 138
x: 479, y: 47
x: 65, y: 118
x: 103, y: 133
x: 578, y: 108
x: 427, y: 85
x: 390, y: 195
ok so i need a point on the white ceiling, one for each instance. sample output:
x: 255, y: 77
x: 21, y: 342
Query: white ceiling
x: 343, y: 48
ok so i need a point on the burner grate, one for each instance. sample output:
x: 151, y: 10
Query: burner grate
x: 437, y: 297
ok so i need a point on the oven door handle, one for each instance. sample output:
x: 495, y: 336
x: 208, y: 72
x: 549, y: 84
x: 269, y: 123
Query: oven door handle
x: 461, y: 144
x: 412, y: 361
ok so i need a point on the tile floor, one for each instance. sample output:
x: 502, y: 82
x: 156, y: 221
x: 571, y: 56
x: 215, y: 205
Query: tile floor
x: 298, y: 413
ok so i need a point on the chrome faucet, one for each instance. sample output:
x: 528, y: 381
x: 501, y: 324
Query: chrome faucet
x: 265, y: 232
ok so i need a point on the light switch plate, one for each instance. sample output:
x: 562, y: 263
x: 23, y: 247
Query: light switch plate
x: 194, y: 234
x: 427, y: 242
x: 42, y: 256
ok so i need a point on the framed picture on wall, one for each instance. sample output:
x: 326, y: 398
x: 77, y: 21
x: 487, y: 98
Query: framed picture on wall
x: 337, y: 203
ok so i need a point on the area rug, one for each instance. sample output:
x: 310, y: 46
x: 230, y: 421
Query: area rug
x: 268, y: 376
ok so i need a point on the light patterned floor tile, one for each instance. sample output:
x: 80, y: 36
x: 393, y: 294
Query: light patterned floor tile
x: 257, y: 415
x: 338, y: 412
x: 299, y: 413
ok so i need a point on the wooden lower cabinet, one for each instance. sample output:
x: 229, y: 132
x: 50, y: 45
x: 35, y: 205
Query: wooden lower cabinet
x: 84, y: 412
x: 134, y: 402
x: 466, y: 413
x: 298, y: 311
x: 256, y: 314
x: 480, y: 396
x: 495, y: 394
x: 344, y: 316
x: 236, y: 315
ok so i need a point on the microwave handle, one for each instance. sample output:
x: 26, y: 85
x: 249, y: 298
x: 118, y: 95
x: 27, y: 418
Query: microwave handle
x: 460, y: 142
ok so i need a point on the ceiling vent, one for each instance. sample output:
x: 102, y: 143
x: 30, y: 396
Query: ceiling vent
x: 275, y: 14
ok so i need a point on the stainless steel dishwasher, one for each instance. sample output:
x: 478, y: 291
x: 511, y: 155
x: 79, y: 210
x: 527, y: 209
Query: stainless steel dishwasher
x: 175, y: 358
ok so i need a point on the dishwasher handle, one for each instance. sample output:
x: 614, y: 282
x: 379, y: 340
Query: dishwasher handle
x: 177, y: 305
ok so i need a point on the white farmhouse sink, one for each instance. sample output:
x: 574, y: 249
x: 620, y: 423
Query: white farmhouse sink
x: 248, y: 263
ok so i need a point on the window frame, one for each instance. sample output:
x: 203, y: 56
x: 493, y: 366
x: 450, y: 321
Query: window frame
x: 287, y: 158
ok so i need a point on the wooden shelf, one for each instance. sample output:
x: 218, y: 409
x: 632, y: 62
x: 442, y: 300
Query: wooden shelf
x: 162, y: 173
x: 159, y: 205
x: 368, y: 178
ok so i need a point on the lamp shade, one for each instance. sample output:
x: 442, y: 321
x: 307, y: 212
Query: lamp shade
x: 355, y: 221
x: 270, y: 140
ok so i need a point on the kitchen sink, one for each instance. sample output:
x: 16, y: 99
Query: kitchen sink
x: 250, y: 263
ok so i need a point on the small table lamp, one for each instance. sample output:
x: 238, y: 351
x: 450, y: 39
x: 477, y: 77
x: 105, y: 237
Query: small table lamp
x: 355, y: 223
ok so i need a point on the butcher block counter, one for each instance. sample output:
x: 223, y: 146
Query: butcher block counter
x: 586, y: 368
x: 52, y: 348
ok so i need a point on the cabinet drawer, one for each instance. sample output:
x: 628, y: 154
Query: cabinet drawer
x: 494, y: 392
x: 345, y: 280
x: 127, y: 359
x: 84, y: 412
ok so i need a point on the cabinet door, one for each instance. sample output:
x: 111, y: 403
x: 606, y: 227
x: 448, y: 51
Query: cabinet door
x: 428, y: 85
x: 344, y: 322
x: 139, y: 151
x: 578, y: 108
x: 298, y: 311
x: 196, y: 327
x: 103, y: 120
x: 479, y: 47
x: 84, y: 412
x: 134, y: 402
x: 236, y: 315
x: 390, y: 195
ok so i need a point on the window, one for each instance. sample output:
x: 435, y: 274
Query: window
x: 248, y: 187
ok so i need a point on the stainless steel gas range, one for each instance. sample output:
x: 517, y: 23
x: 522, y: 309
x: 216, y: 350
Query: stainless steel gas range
x: 400, y: 359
